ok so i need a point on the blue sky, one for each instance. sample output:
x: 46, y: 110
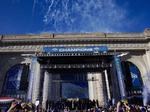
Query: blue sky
x: 63, y: 16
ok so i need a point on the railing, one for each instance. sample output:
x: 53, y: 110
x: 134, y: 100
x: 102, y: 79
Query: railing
x: 55, y: 66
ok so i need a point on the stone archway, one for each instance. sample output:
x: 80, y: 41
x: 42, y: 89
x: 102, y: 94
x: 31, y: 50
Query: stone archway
x: 15, y: 83
x: 132, y: 79
x: 139, y: 62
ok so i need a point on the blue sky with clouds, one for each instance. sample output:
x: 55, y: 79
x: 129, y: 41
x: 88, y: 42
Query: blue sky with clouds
x: 63, y: 16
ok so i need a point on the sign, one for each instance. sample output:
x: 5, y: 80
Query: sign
x: 135, y: 76
x: 94, y: 49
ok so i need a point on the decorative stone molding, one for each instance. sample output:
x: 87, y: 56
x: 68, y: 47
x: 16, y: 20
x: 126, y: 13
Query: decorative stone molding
x: 140, y: 63
x: 38, y: 48
x: 70, y: 38
x: 147, y: 32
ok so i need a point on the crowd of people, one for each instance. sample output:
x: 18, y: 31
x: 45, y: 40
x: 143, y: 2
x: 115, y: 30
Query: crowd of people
x: 75, y: 106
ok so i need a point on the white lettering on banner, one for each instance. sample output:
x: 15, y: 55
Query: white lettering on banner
x: 134, y: 76
x: 54, y: 49
x: 75, y: 49
x: 95, y: 49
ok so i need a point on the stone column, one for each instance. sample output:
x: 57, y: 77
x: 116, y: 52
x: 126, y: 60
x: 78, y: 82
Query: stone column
x: 120, y: 76
x: 90, y: 86
x: 146, y: 75
x: 31, y: 78
x: 46, y: 85
x: 36, y: 82
x: 96, y: 88
x: 107, y: 85
x: 148, y: 60
x: 101, y: 93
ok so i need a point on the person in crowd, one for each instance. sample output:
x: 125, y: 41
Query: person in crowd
x: 18, y: 106
x: 76, y: 105
x: 15, y: 107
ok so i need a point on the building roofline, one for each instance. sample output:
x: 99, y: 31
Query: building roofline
x: 76, y: 36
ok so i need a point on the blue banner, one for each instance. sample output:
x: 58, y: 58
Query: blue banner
x: 135, y: 76
x: 120, y: 75
x: 13, y: 78
x: 94, y: 49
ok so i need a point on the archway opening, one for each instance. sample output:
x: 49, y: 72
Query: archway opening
x: 16, y: 81
x: 133, y: 81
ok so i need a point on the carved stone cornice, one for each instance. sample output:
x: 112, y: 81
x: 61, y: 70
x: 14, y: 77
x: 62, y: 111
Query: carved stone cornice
x: 74, y: 38
x: 147, y: 33
x: 70, y: 66
x: 114, y: 41
x: 38, y: 48
x: 40, y: 41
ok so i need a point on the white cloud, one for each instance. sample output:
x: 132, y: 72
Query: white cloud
x: 35, y: 2
x: 83, y: 15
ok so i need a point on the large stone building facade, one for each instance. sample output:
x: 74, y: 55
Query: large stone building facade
x: 110, y: 66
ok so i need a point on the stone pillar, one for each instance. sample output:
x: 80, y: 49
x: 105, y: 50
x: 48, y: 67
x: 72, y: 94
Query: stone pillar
x: 120, y: 76
x: 31, y: 78
x: 107, y: 85
x: 96, y: 88
x: 36, y: 82
x: 90, y: 86
x: 146, y: 75
x: 101, y: 93
x: 148, y: 60
x: 46, y: 85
